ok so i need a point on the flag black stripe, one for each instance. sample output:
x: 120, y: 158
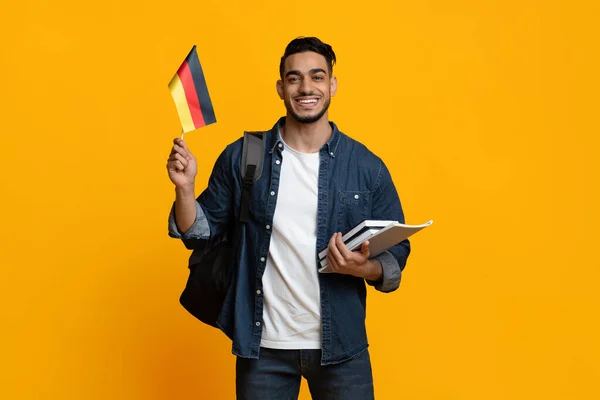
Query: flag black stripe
x: 199, y: 81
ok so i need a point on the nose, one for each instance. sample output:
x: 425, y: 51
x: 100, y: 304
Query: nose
x: 305, y: 87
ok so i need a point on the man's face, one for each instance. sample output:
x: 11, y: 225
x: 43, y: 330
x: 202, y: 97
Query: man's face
x: 307, y: 87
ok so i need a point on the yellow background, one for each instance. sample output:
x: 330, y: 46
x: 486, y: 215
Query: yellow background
x: 485, y: 112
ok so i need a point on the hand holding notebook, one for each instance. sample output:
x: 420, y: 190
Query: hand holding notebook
x: 381, y: 236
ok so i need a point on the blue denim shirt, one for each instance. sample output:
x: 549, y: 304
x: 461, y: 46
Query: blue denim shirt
x: 354, y: 185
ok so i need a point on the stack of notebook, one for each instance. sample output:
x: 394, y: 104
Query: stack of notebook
x: 381, y: 236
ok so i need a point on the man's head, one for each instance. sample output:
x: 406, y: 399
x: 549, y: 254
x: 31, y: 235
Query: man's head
x: 307, y: 83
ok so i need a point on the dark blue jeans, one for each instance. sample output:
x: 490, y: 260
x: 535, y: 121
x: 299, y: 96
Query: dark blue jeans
x: 276, y: 375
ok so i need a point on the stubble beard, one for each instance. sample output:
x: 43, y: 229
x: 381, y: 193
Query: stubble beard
x: 308, y: 119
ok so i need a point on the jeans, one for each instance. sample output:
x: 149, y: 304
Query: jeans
x: 276, y: 375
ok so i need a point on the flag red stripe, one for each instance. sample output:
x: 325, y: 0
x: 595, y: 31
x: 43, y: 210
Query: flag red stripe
x: 191, y: 94
x: 206, y: 106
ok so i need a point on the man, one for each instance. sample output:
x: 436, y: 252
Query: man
x: 286, y: 320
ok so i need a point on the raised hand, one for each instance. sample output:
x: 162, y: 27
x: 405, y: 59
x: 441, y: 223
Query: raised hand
x: 181, y: 165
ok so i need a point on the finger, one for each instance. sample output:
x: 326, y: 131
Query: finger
x: 176, y: 165
x: 332, y: 263
x: 179, y: 141
x: 364, y: 249
x: 334, y: 251
x: 176, y: 143
x: 183, y: 145
x: 171, y: 166
x: 178, y: 150
x: 181, y: 159
x: 344, y: 251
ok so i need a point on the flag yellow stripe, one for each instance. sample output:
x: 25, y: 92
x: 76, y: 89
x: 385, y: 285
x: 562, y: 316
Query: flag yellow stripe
x: 181, y: 103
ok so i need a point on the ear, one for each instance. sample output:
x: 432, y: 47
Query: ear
x: 280, y: 89
x: 333, y: 86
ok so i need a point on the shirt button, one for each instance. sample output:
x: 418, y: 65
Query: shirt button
x: 277, y: 162
x: 272, y: 193
x: 262, y: 259
x: 280, y: 145
x: 331, y: 154
x: 268, y: 227
x: 258, y: 292
x: 257, y: 323
x: 356, y: 196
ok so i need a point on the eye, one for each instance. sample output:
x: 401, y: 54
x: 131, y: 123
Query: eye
x: 293, y: 79
x: 318, y: 78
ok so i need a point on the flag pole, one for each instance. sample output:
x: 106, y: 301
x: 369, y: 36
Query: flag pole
x: 182, y: 132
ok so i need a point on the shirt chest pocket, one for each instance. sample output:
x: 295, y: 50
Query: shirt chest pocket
x: 354, y: 207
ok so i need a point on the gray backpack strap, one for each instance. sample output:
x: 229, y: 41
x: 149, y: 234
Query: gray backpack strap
x: 253, y: 153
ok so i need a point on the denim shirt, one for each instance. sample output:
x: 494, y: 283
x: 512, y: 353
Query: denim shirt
x: 353, y: 185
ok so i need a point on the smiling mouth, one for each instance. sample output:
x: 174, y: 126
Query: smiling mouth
x: 307, y: 103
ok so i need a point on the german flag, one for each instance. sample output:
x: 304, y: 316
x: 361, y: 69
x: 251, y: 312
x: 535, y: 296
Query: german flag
x: 190, y: 93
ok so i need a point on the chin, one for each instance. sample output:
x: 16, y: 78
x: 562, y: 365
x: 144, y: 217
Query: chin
x: 307, y: 117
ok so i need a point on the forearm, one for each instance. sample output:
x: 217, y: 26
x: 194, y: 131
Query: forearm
x: 185, y: 208
x: 374, y: 270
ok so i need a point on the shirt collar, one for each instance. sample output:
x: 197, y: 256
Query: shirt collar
x: 330, y: 146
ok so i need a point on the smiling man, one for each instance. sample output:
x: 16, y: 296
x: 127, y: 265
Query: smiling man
x: 286, y: 320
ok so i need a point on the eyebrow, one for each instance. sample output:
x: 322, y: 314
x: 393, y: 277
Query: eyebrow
x: 312, y: 72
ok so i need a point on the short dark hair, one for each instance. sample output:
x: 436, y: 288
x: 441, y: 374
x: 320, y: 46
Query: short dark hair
x: 303, y: 44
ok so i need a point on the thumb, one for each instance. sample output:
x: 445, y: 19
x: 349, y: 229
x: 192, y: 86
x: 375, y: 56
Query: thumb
x: 364, y: 249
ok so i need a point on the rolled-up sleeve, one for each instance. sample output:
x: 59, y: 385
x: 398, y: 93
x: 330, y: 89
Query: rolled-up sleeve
x: 392, y: 275
x: 198, y: 230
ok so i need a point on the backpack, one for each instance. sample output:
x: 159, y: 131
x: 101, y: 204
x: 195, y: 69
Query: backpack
x: 212, y: 263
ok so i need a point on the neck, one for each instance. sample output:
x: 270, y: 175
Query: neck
x: 306, y: 138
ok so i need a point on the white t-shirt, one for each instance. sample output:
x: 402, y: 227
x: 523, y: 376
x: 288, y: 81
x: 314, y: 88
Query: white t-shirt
x: 292, y: 310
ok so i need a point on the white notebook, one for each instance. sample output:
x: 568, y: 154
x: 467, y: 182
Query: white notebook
x: 380, y: 238
x: 367, y: 225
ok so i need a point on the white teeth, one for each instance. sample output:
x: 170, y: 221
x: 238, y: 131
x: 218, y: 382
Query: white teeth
x: 307, y: 101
